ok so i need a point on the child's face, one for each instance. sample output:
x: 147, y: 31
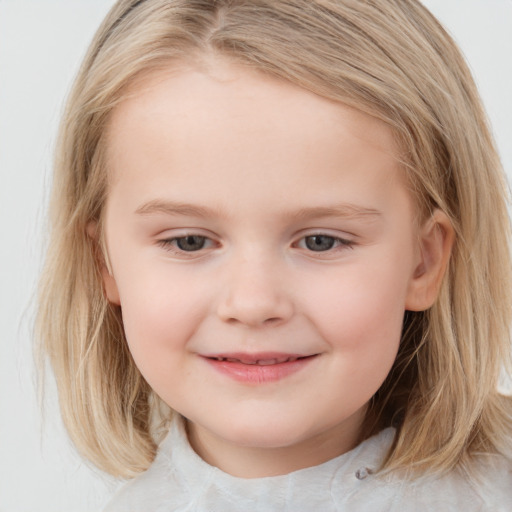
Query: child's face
x: 252, y: 221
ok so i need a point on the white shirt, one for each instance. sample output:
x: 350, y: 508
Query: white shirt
x: 179, y: 480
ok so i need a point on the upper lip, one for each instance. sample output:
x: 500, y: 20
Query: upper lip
x: 261, y: 358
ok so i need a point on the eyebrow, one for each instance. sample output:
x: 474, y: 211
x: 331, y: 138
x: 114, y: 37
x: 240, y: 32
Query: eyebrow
x: 345, y: 210
x: 350, y: 211
x: 175, y: 208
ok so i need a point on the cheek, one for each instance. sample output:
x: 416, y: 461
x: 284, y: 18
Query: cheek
x: 361, y: 321
x: 161, y: 310
x: 361, y: 310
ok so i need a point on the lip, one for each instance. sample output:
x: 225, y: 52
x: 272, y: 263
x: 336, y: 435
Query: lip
x: 258, y: 368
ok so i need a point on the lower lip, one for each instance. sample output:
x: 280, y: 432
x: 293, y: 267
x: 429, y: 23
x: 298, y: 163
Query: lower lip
x: 259, y: 374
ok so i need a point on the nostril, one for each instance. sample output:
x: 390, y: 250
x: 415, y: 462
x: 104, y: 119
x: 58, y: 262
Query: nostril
x: 272, y: 320
x: 256, y: 322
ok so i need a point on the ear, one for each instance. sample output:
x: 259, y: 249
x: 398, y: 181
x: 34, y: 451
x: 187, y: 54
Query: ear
x: 435, y: 243
x: 109, y: 283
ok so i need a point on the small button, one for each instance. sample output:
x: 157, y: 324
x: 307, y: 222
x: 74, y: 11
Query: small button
x: 363, y: 473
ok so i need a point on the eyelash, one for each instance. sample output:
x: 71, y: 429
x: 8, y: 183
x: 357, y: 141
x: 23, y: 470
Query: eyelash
x: 338, y: 243
x: 170, y: 244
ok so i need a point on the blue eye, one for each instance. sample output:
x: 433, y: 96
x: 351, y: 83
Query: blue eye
x: 190, y: 243
x: 320, y: 242
x: 188, y: 246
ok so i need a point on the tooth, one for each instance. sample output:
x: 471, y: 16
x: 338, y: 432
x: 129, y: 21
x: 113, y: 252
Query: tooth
x: 292, y: 359
x: 232, y: 360
x: 266, y: 362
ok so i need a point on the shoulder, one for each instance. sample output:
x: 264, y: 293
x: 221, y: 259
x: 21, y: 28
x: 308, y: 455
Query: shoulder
x: 490, y: 477
x: 147, y: 491
x: 144, y: 493
x: 484, y: 485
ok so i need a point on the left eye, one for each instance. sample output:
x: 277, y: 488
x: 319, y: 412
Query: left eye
x: 322, y: 243
x: 319, y: 242
x: 191, y: 243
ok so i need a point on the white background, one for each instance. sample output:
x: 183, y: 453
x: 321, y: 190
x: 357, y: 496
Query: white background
x: 41, y: 45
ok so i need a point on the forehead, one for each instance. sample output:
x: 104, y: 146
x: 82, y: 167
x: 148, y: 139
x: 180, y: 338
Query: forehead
x: 216, y: 87
x: 181, y: 125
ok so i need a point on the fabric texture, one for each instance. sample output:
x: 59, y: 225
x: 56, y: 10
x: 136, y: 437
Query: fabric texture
x: 179, y: 480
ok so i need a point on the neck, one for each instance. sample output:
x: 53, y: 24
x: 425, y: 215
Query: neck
x: 256, y: 462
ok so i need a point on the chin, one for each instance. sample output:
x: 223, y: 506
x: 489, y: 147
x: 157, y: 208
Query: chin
x: 263, y: 435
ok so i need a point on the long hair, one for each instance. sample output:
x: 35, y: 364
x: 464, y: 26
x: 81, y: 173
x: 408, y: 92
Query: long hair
x: 388, y: 58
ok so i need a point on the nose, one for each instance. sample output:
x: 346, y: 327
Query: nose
x: 255, y: 294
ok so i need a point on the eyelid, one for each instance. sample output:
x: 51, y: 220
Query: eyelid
x: 333, y: 233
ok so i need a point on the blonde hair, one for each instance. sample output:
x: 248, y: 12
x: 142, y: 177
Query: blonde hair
x: 388, y: 58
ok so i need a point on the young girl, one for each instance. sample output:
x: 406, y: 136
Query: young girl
x: 279, y: 271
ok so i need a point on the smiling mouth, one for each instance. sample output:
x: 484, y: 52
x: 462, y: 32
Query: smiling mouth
x: 260, y: 362
x: 256, y: 369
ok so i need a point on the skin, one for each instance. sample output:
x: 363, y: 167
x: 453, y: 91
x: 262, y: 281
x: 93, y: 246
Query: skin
x: 256, y: 166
